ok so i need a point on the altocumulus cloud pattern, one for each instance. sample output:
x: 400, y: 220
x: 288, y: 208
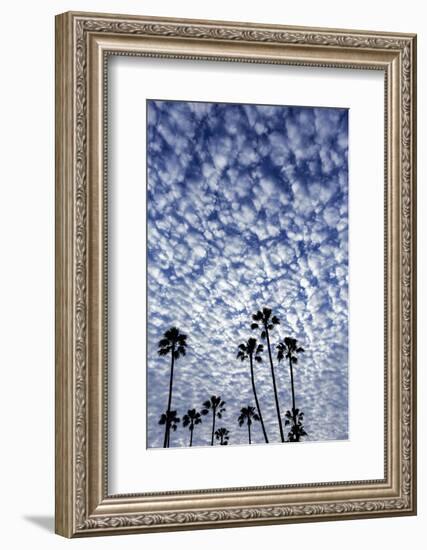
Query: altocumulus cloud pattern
x: 247, y: 208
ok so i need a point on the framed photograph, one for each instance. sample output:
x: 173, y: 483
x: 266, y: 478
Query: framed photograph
x: 235, y: 274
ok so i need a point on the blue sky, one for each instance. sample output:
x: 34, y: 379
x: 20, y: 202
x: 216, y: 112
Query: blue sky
x: 248, y: 207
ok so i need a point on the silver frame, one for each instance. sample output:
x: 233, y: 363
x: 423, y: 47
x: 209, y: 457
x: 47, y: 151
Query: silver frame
x: 83, y: 43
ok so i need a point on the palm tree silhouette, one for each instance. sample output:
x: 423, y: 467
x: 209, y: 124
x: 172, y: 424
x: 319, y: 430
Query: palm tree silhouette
x: 297, y: 429
x: 191, y: 419
x: 247, y: 414
x: 175, y: 343
x: 290, y: 349
x: 217, y: 407
x: 265, y: 322
x: 251, y: 351
x: 223, y: 435
x: 171, y: 420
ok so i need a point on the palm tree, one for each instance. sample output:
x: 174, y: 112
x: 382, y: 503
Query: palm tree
x: 297, y: 429
x: 252, y: 351
x: 217, y: 406
x: 175, y: 343
x: 171, y: 420
x: 265, y: 322
x: 247, y: 414
x: 223, y: 435
x: 191, y: 419
x: 290, y: 349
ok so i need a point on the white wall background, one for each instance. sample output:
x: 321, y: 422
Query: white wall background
x: 27, y: 273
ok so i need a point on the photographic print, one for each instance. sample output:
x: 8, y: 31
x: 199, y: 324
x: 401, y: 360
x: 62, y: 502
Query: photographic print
x: 247, y: 274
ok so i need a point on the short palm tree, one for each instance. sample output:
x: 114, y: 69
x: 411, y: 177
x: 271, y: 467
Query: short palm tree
x: 250, y: 350
x: 223, y: 435
x: 173, y: 343
x: 216, y: 406
x: 248, y: 415
x: 191, y: 419
x: 289, y: 348
x: 171, y: 420
x: 297, y: 429
x: 264, y: 321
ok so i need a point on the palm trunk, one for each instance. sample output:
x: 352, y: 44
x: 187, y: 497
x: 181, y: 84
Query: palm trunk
x: 256, y: 399
x: 191, y: 436
x: 249, y: 431
x: 294, y: 417
x: 213, y: 425
x: 274, y: 386
x: 166, y: 438
x: 167, y: 427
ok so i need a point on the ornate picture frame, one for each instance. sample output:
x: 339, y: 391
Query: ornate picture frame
x: 84, y: 42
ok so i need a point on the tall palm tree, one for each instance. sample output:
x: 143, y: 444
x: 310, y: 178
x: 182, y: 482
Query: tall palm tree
x: 252, y: 351
x: 171, y: 420
x: 289, y: 348
x: 266, y: 322
x: 217, y: 407
x: 191, y: 419
x: 248, y: 415
x: 173, y: 343
x: 223, y: 435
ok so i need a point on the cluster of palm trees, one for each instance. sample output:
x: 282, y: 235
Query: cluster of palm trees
x: 174, y: 343
x: 265, y: 322
x: 214, y: 406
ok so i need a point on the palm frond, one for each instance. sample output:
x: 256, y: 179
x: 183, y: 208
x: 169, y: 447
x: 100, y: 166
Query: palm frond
x: 164, y: 342
x: 290, y: 342
x: 266, y: 311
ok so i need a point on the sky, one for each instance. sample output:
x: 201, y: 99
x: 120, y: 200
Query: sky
x: 247, y: 208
